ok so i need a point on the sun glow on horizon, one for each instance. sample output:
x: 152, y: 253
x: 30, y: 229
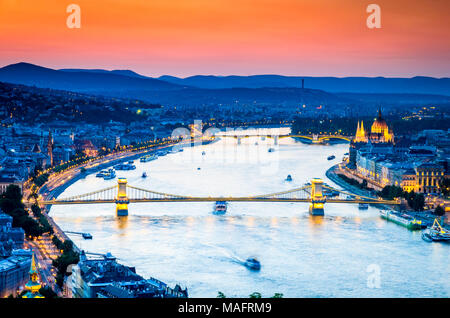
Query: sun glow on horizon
x: 222, y: 37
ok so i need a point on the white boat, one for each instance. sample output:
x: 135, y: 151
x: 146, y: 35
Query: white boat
x: 148, y: 158
x: 363, y: 206
x: 111, y: 174
x: 125, y: 166
x: 271, y: 150
x: 220, y: 208
x: 101, y: 174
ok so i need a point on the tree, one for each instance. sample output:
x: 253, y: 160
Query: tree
x: 11, y: 199
x: 255, y: 295
x: 445, y: 186
x: 47, y: 292
x: 439, y: 211
x: 36, y: 210
x: 277, y: 295
x: 391, y: 192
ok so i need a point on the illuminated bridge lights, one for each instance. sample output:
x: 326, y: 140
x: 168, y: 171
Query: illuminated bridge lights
x: 317, y: 194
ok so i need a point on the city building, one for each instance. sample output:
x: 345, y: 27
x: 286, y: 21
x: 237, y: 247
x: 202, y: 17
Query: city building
x: 428, y: 178
x: 9, y: 233
x: 86, y: 147
x: 103, y: 277
x: 6, y: 181
x: 14, y: 272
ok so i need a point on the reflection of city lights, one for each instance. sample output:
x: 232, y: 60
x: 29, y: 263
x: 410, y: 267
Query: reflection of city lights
x: 274, y: 222
x: 294, y: 220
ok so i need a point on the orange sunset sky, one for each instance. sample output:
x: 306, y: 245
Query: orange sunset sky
x: 243, y: 37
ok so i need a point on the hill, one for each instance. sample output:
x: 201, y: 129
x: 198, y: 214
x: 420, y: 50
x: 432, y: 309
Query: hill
x: 80, y: 81
x: 415, y: 85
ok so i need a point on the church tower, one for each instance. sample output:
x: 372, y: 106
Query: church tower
x: 50, y: 147
x: 33, y: 286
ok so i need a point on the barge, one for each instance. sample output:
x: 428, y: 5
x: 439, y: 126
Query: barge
x: 401, y: 219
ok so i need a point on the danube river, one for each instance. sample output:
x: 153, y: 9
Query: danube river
x: 346, y: 253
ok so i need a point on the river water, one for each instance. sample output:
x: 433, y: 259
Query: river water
x: 346, y: 253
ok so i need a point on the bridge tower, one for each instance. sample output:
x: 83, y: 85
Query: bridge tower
x: 315, y: 139
x: 317, y: 198
x: 122, y: 200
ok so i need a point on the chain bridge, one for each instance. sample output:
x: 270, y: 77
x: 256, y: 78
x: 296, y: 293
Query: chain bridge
x: 315, y: 193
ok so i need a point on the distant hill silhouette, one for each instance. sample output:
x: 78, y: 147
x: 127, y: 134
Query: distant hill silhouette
x: 117, y: 72
x: 215, y: 90
x: 83, y: 81
x: 415, y: 85
x: 287, y: 96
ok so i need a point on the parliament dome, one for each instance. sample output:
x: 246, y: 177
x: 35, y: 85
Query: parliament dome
x: 379, y: 126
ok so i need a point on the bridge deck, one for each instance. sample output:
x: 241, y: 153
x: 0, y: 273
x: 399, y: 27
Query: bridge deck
x: 214, y: 199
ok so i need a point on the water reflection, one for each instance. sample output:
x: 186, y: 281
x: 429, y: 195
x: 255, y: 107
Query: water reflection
x: 315, y: 220
x: 122, y: 222
x: 184, y: 243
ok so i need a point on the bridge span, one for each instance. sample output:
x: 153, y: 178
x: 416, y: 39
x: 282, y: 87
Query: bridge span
x: 314, y: 138
x: 315, y: 193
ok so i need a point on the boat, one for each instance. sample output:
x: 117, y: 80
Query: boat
x: 252, y: 263
x: 436, y: 233
x: 130, y: 162
x: 346, y: 154
x: 144, y: 175
x: 203, y: 153
x: 289, y: 178
x: 363, y: 206
x: 125, y: 166
x: 87, y: 236
x: 148, y: 158
x: 101, y: 174
x: 401, y: 219
x: 111, y: 174
x: 331, y: 157
x: 271, y: 150
x: 220, y: 207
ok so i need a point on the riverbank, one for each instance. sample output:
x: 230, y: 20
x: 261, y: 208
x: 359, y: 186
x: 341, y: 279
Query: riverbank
x: 333, y: 176
x: 424, y: 216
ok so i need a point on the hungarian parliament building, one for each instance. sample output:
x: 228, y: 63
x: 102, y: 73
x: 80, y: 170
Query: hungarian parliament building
x: 413, y: 163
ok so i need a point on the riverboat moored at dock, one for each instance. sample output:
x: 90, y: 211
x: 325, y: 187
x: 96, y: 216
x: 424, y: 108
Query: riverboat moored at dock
x: 148, y: 158
x: 401, y: 219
